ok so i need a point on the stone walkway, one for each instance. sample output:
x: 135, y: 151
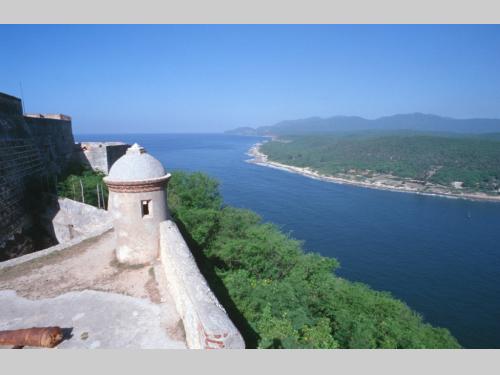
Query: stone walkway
x: 83, y: 288
x: 96, y: 319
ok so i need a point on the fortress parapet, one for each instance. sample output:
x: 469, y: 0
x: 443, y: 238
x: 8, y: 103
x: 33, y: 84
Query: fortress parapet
x: 100, y: 156
x: 206, y: 323
x: 126, y: 277
x: 54, y: 116
x: 34, y: 149
x: 10, y: 105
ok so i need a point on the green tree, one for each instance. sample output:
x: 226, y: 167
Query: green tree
x: 71, y: 187
x: 437, y: 159
x: 290, y: 298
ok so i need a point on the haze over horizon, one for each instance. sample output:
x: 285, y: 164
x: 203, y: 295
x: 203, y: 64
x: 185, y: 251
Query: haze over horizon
x: 211, y: 78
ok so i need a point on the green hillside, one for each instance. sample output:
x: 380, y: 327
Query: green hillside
x: 280, y: 296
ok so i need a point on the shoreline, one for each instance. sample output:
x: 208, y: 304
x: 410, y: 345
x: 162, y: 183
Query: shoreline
x: 259, y: 158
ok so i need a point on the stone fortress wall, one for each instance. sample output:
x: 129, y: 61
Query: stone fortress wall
x: 53, y: 135
x: 101, y: 156
x: 32, y: 150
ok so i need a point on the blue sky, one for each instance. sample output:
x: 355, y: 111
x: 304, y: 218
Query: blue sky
x: 209, y: 78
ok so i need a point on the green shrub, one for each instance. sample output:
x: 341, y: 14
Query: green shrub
x: 71, y: 187
x: 290, y: 298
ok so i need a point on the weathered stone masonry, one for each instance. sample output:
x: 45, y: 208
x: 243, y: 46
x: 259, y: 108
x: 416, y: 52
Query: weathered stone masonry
x: 54, y: 138
x: 33, y: 149
x: 133, y: 250
x: 101, y: 155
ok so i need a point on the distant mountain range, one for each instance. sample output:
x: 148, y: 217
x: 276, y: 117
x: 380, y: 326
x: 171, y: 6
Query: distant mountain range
x: 412, y: 121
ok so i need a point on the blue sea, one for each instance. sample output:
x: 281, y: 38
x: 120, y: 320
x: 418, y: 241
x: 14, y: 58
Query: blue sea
x: 439, y: 255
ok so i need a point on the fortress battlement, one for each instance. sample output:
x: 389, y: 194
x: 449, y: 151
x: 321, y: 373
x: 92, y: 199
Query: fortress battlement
x: 123, y: 278
x: 52, y: 116
x: 10, y: 104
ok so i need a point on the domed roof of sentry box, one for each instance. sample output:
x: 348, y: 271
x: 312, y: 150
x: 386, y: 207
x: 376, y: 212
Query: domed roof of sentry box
x: 136, y: 165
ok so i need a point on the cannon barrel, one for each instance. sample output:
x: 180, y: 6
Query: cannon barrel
x: 45, y: 337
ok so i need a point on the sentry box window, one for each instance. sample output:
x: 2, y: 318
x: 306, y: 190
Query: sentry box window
x: 146, y: 208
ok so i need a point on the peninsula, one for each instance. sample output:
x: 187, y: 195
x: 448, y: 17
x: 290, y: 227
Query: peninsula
x: 454, y: 167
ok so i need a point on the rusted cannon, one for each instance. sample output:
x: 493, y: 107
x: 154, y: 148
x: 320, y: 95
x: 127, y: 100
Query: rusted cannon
x: 45, y: 337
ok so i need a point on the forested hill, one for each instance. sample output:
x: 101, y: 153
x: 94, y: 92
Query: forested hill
x: 472, y: 162
x: 414, y: 121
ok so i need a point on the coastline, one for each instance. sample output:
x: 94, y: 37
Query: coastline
x: 259, y: 158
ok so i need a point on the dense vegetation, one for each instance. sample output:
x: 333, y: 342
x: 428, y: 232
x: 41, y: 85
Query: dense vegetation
x: 437, y: 159
x: 78, y: 180
x: 278, y: 295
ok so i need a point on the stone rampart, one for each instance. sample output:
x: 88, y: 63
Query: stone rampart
x: 69, y: 219
x: 54, y: 249
x: 101, y: 155
x: 20, y: 162
x: 10, y: 105
x: 33, y: 150
x: 54, y: 139
x: 206, y: 323
x: 21, y: 167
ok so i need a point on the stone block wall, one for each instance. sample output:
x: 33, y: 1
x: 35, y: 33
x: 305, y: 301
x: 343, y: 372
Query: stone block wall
x: 32, y: 151
x: 10, y: 105
x: 101, y: 155
x: 54, y: 139
x: 20, y: 165
x: 20, y: 161
x: 115, y: 151
x: 69, y: 219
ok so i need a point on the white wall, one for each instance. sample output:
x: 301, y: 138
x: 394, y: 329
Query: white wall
x: 137, y: 236
x: 206, y: 323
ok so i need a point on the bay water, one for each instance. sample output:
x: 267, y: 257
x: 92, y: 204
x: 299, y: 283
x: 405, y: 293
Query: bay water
x: 441, y: 256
